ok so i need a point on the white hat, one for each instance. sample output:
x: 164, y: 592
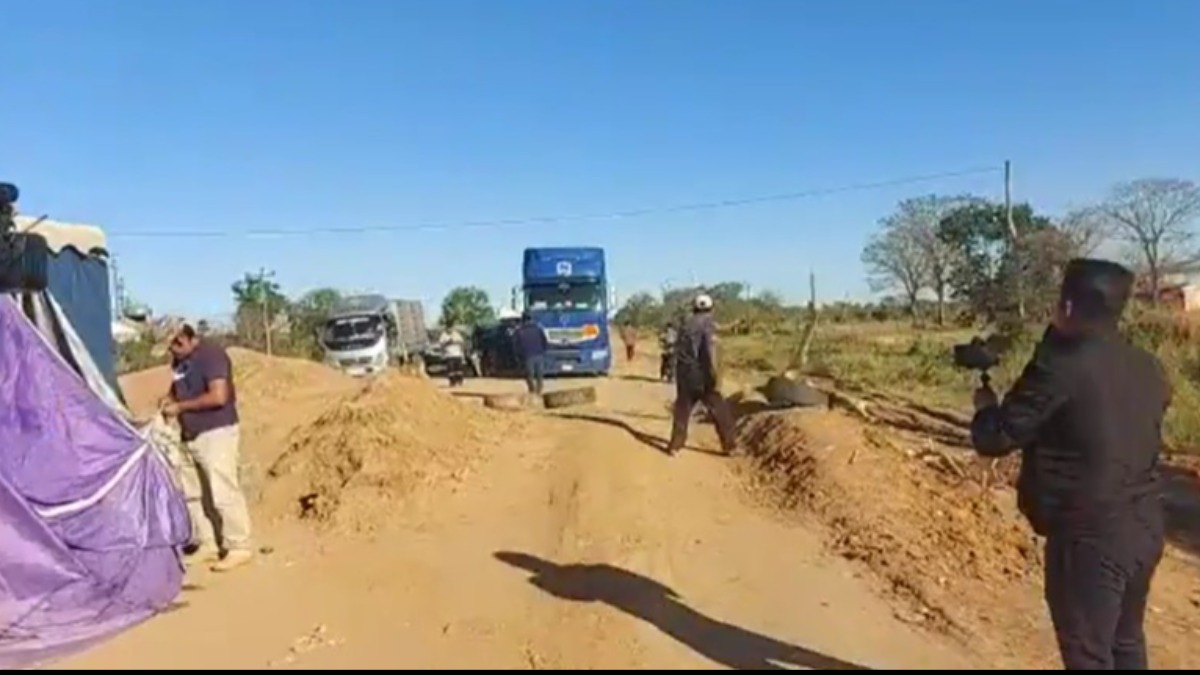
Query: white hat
x: 703, y: 302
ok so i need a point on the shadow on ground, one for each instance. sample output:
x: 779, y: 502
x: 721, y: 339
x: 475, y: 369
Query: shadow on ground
x: 649, y: 440
x: 641, y: 378
x: 658, y: 605
x: 1182, y: 506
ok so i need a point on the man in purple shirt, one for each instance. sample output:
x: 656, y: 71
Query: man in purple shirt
x: 204, y: 399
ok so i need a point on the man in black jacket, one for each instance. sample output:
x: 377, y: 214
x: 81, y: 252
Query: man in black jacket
x: 696, y: 378
x: 1087, y: 412
x: 531, y: 346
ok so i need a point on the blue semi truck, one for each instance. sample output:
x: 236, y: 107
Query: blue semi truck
x: 566, y: 291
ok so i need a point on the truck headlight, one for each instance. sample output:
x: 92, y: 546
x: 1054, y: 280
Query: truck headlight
x: 600, y: 355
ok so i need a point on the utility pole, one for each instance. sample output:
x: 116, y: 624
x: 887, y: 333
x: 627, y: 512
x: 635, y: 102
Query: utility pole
x: 264, y: 298
x: 1013, y: 241
x: 118, y: 290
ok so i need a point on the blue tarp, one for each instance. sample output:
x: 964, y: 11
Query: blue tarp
x: 80, y: 285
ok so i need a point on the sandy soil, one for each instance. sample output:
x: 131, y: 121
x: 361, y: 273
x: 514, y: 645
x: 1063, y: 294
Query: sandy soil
x: 563, y: 542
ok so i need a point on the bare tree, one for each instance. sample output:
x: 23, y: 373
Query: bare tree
x: 1155, y: 215
x: 921, y: 216
x: 895, y: 262
x: 1085, y: 229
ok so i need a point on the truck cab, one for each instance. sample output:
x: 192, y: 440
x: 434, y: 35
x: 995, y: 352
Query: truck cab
x: 566, y: 291
x: 356, y: 335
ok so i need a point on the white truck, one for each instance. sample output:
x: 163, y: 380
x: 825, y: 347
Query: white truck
x: 367, y: 334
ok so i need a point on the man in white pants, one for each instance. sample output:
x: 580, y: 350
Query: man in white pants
x: 204, y: 399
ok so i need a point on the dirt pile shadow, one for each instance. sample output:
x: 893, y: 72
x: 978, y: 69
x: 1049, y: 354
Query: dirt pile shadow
x: 663, y: 608
x: 954, y: 554
x: 373, y: 451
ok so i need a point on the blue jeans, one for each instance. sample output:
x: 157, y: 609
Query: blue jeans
x: 535, y: 373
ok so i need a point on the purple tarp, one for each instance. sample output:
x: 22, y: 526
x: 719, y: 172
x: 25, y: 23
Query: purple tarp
x: 90, y: 520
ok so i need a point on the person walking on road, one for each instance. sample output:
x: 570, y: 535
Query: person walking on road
x: 696, y: 377
x: 531, y: 345
x: 454, y: 351
x: 204, y: 400
x: 629, y: 336
x: 1087, y: 414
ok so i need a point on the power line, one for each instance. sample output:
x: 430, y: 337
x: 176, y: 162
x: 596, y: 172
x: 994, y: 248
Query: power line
x: 547, y: 220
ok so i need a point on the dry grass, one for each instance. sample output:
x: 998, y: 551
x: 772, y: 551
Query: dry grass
x: 898, y: 359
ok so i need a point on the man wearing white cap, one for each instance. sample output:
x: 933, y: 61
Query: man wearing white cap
x: 696, y: 377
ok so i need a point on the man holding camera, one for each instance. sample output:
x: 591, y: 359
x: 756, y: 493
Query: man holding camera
x: 1087, y: 412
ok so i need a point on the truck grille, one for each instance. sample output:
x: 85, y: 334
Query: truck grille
x: 565, y: 335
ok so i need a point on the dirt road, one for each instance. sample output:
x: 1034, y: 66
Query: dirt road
x: 580, y: 546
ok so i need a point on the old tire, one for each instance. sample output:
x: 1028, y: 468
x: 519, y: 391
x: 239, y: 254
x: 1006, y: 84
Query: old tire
x: 504, y: 401
x: 569, y: 397
x: 782, y: 392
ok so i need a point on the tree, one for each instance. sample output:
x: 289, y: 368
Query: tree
x: 895, y: 261
x: 1085, y: 230
x: 727, y: 293
x: 641, y: 309
x: 921, y: 216
x: 990, y: 272
x: 260, y: 303
x: 467, y: 306
x: 308, y: 317
x: 1155, y: 215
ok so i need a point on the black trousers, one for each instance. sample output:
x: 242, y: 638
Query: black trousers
x: 1097, y: 590
x: 685, y: 401
x: 535, y: 374
x: 456, y: 370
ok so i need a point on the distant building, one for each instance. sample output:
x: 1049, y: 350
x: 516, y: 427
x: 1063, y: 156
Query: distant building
x: 1178, y: 289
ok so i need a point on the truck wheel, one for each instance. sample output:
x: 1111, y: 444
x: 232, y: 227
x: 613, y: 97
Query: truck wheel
x: 782, y: 392
x: 569, y: 397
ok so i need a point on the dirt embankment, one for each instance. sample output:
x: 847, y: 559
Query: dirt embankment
x: 349, y: 467
x: 347, y: 449
x: 940, y: 532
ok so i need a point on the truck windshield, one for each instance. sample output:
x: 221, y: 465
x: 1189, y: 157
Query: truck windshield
x: 356, y: 330
x: 566, y: 297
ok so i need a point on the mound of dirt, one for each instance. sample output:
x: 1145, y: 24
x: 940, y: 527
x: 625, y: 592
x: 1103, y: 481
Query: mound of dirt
x: 956, y: 553
x: 275, y: 396
x: 259, y: 378
x: 354, y: 466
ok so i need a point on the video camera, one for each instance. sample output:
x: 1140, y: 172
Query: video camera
x: 24, y: 257
x: 980, y: 354
x: 9, y: 194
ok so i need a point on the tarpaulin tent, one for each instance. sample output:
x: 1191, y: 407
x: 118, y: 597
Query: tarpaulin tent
x: 91, y: 521
x: 78, y: 276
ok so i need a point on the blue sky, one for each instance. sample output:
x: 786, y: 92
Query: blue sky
x: 174, y: 117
